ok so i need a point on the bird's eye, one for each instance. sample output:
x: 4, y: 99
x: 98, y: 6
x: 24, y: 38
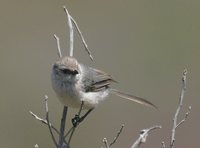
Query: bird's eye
x: 75, y: 72
x: 67, y: 71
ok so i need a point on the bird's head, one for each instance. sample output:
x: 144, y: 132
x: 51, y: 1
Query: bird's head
x: 66, y: 69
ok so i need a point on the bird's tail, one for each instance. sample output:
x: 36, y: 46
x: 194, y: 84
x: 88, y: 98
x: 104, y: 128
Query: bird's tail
x: 133, y: 98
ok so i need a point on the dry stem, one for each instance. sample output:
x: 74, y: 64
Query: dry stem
x: 143, y: 136
x: 180, y: 104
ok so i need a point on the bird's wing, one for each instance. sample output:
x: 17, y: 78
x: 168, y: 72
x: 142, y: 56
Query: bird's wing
x: 95, y: 80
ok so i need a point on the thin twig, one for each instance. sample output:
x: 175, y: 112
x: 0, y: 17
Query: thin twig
x: 117, y: 136
x: 82, y: 39
x: 163, y: 144
x: 71, y: 30
x: 186, y: 116
x: 143, y: 136
x: 81, y: 108
x: 44, y: 121
x: 47, y: 119
x: 70, y: 20
x: 80, y: 119
x: 105, y: 141
x: 62, y: 127
x: 72, y: 132
x: 58, y: 45
x: 74, y: 128
x: 178, y: 109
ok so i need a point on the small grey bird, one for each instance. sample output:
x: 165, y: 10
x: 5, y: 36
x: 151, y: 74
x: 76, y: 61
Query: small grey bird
x: 75, y: 83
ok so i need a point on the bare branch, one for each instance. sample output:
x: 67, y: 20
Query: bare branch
x: 70, y: 20
x: 62, y: 129
x: 82, y: 39
x: 62, y: 141
x: 163, y: 144
x: 117, y: 136
x: 58, y: 45
x: 105, y: 141
x: 71, y: 34
x: 44, y: 121
x: 72, y: 132
x: 175, y: 124
x: 74, y: 127
x: 186, y: 116
x: 143, y: 136
x: 47, y: 119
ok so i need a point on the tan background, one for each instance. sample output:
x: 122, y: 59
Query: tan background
x: 144, y: 44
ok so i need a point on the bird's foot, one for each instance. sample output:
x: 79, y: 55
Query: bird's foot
x: 76, y: 120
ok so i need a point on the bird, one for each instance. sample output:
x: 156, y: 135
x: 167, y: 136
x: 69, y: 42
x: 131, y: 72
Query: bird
x: 75, y: 83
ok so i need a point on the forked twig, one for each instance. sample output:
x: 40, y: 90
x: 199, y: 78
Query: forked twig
x: 70, y: 20
x: 82, y: 39
x: 62, y: 142
x: 105, y: 141
x: 143, y: 136
x: 48, y: 123
x: 44, y: 121
x: 76, y: 121
x: 186, y: 116
x: 72, y: 130
x: 180, y: 104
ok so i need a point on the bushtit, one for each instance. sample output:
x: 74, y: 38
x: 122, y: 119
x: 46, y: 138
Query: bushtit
x: 75, y: 83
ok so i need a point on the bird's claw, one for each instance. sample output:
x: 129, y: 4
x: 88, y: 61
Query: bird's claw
x: 76, y: 120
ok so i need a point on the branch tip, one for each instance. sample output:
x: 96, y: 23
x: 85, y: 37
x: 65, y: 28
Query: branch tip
x: 185, y: 71
x: 163, y: 144
x: 46, y: 97
x: 117, y: 136
x: 143, y: 135
x: 105, y: 141
x: 175, y: 123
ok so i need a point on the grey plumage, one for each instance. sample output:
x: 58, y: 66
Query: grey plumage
x: 75, y: 82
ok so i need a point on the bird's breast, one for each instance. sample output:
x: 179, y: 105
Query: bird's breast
x: 66, y: 92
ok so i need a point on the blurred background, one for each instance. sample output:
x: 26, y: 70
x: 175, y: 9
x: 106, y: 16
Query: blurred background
x: 144, y: 45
